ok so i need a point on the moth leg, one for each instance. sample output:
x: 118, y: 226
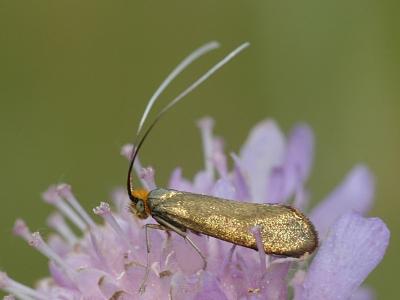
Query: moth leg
x: 185, y: 236
x: 146, y: 275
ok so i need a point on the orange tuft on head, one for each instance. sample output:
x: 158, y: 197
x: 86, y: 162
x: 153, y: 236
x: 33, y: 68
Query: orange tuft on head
x: 140, y: 193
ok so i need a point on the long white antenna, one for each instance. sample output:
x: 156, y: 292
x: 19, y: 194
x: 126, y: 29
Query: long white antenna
x: 204, y: 77
x: 200, y: 80
x: 175, y: 72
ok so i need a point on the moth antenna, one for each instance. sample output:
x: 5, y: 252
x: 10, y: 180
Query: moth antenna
x: 203, y: 78
x: 172, y: 103
x: 175, y: 72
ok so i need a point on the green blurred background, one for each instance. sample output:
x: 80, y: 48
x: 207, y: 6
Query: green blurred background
x: 75, y: 77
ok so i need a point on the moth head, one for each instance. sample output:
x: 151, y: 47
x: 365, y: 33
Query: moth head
x: 139, y: 205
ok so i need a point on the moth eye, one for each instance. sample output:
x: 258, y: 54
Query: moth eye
x: 140, y: 206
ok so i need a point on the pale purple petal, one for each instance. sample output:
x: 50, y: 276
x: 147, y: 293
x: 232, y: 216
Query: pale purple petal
x: 219, y: 159
x: 352, y: 249
x: 178, y: 182
x: 86, y: 280
x: 235, y: 276
x: 121, y: 202
x: 238, y: 178
x: 286, y: 179
x: 188, y: 259
x: 301, y: 198
x: 210, y: 289
x: 354, y: 194
x: 297, y: 284
x: 111, y: 290
x: 223, y: 188
x: 276, y: 186
x: 147, y: 175
x: 275, y: 282
x: 195, y: 287
x: 58, y: 245
x: 263, y: 150
x: 256, y: 232
x: 59, y: 277
x: 363, y: 293
x: 55, y: 292
x: 300, y: 150
x: 202, y: 182
x: 206, y: 126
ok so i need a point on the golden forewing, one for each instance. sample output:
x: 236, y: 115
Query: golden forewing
x: 284, y: 230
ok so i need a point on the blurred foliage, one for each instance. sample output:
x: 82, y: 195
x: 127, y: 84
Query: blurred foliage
x: 75, y: 77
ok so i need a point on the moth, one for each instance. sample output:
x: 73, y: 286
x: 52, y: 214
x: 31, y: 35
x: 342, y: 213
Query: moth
x: 284, y: 230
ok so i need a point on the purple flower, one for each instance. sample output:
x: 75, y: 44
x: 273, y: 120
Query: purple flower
x: 108, y: 261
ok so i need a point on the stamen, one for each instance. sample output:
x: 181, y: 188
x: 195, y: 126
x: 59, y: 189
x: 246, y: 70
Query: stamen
x: 4, y: 280
x: 52, y: 196
x: 37, y: 242
x: 155, y: 267
x: 168, y: 258
x: 99, y: 255
x: 20, y: 296
x: 127, y: 151
x: 219, y: 158
x: 120, y: 201
x: 284, y: 260
x: 18, y: 289
x: 21, y: 229
x: 147, y: 174
x: 178, y: 182
x: 256, y: 231
x: 57, y: 222
x: 65, y: 192
x: 206, y: 127
x: 104, y: 211
x: 227, y: 262
x: 239, y: 179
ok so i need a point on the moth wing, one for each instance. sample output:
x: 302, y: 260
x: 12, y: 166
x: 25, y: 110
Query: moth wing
x: 284, y: 230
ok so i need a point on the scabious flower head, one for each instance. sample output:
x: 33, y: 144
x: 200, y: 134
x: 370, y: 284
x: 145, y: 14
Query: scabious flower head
x: 108, y: 261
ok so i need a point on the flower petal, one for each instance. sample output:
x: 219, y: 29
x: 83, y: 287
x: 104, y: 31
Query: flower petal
x: 210, y: 289
x: 353, y: 248
x: 219, y: 158
x: 107, y: 286
x: 276, y: 186
x: 263, y: 150
x: 238, y: 178
x: 354, y: 194
x: 199, y: 286
x: 206, y: 126
x: 294, y: 171
x: 274, y: 283
x: 363, y: 293
x: 202, y: 182
x: 179, y: 183
x: 223, y: 188
x: 300, y: 150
